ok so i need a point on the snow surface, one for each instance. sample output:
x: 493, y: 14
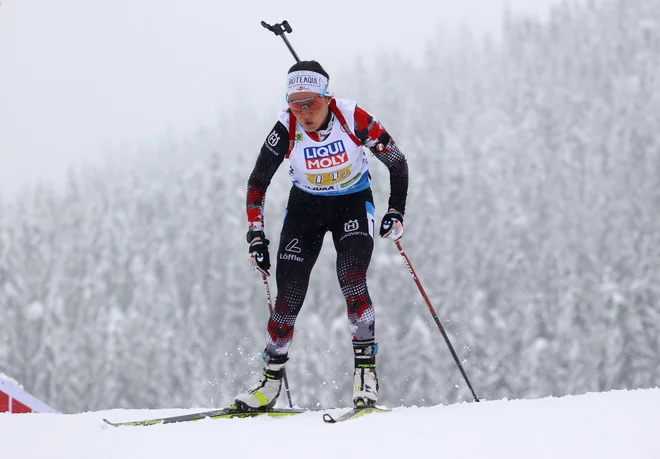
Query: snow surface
x: 617, y: 424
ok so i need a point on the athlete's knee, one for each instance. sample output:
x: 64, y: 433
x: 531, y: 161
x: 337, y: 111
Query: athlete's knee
x: 352, y: 275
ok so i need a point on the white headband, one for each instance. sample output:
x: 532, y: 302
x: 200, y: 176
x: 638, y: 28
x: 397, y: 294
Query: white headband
x: 307, y: 81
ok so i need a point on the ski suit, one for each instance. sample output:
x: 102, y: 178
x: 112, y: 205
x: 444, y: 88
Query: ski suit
x: 331, y: 192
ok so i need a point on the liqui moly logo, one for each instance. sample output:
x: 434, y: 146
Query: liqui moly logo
x: 326, y: 156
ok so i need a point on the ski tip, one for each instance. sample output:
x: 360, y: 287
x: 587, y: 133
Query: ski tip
x: 329, y: 419
x: 355, y: 413
x: 110, y: 423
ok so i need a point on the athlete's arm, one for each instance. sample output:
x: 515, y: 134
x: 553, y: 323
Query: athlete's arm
x: 373, y: 135
x: 271, y: 156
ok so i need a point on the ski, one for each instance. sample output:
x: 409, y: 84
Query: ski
x: 355, y: 413
x: 223, y: 413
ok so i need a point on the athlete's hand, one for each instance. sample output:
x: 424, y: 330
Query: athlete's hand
x: 259, y: 257
x: 392, y: 225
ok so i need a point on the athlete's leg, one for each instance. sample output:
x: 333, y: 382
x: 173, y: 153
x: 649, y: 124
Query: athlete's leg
x: 353, y: 237
x: 300, y: 243
x: 352, y: 233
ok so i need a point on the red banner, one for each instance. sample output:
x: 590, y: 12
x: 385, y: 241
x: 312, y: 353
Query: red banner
x: 13, y: 399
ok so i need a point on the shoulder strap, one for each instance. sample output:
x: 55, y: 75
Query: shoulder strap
x: 292, y: 133
x: 342, y: 121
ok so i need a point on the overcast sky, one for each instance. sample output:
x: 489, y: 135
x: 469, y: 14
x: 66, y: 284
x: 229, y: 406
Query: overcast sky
x: 79, y: 77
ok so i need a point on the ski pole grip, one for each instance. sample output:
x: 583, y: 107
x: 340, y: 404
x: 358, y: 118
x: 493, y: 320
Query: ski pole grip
x: 267, y: 26
x: 278, y: 29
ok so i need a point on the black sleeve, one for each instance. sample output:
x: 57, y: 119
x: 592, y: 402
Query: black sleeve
x: 374, y: 136
x: 272, y: 154
x: 390, y: 155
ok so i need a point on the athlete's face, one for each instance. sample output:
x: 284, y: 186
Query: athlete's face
x: 309, y: 108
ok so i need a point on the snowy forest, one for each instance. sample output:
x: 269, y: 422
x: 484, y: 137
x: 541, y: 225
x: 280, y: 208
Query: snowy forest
x: 533, y: 222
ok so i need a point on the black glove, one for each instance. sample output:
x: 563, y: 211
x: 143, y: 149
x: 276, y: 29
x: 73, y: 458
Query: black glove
x: 259, y: 257
x: 392, y: 225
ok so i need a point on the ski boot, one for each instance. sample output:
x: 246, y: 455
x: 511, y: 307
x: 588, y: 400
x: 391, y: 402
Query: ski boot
x: 263, y: 394
x: 365, y: 379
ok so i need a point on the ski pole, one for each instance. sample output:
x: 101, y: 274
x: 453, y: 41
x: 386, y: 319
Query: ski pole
x: 270, y: 310
x: 280, y: 29
x: 435, y: 317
